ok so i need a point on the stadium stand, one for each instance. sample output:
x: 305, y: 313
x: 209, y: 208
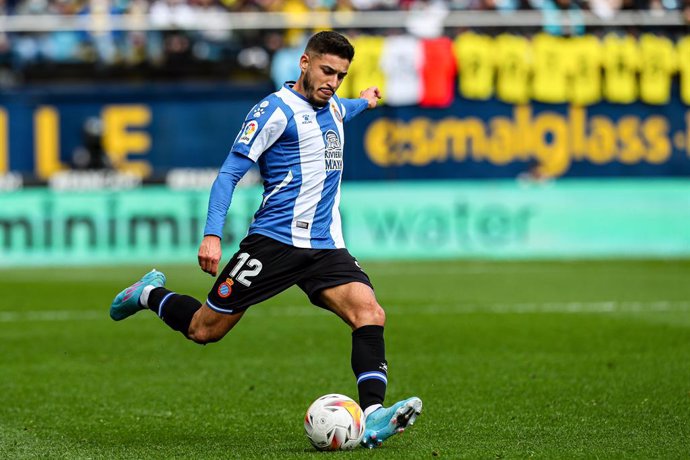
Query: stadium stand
x: 53, y: 40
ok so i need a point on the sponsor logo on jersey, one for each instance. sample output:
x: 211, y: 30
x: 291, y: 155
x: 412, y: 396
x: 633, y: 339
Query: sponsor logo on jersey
x: 249, y: 131
x: 334, y: 151
x: 225, y: 288
x: 260, y: 109
x: 306, y: 119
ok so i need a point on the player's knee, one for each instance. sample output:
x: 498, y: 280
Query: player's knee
x: 370, y: 313
x: 378, y: 316
x: 203, y: 335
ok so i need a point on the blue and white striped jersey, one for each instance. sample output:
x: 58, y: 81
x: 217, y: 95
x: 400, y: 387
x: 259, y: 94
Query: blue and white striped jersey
x: 299, y: 150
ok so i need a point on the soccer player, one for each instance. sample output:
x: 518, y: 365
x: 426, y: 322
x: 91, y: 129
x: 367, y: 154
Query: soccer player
x: 296, y: 136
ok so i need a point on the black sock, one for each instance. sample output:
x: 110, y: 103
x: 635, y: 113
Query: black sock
x: 369, y: 364
x: 175, y: 310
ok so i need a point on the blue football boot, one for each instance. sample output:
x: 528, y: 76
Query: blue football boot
x: 126, y: 303
x: 384, y: 422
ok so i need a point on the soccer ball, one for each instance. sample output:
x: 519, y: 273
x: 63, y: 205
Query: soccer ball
x: 334, y: 422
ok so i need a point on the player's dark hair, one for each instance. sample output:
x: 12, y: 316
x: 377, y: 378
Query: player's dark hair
x: 329, y: 42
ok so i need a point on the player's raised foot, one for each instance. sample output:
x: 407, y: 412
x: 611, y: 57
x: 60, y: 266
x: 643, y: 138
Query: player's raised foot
x: 126, y: 303
x: 384, y: 422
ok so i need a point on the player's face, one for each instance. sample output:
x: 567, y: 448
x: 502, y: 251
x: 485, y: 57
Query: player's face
x: 322, y: 75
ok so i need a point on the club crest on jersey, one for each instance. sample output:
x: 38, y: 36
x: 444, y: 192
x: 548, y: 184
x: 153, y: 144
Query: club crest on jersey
x: 248, y: 132
x: 334, y: 151
x: 225, y: 289
x: 337, y: 113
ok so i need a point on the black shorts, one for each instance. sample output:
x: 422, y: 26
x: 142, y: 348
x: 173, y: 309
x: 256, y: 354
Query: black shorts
x: 264, y: 267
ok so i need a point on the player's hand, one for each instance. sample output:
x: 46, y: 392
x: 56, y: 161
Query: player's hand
x: 372, y: 95
x: 210, y: 253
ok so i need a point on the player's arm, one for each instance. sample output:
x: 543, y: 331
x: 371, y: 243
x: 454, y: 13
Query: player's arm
x: 264, y: 124
x: 234, y: 168
x: 368, y: 99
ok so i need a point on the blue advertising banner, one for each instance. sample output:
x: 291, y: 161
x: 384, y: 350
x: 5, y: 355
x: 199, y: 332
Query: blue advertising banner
x: 148, y: 130
x: 480, y: 139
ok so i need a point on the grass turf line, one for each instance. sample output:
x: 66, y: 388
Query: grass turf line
x: 495, y: 382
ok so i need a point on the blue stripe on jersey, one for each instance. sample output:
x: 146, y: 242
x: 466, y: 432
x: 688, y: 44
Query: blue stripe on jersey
x: 281, y: 156
x: 333, y: 161
x: 274, y: 217
x: 256, y: 121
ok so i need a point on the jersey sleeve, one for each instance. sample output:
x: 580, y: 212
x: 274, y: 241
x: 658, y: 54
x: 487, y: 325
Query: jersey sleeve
x: 352, y: 107
x: 234, y: 168
x: 264, y: 124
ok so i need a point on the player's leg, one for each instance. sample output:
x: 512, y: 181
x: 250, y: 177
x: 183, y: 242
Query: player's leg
x: 194, y: 320
x: 356, y: 304
x: 337, y: 282
x: 260, y: 269
x: 181, y: 312
x: 209, y: 326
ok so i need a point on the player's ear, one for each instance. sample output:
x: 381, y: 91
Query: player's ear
x: 304, y: 62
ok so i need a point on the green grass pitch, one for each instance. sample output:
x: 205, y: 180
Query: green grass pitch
x: 585, y: 359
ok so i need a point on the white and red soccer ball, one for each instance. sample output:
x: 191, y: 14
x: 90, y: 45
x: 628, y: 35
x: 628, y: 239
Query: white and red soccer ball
x: 334, y: 422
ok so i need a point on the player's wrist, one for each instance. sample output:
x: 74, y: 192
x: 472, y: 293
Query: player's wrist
x: 368, y: 102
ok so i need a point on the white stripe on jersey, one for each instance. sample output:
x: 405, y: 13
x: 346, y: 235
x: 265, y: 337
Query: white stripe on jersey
x: 273, y: 129
x: 313, y: 175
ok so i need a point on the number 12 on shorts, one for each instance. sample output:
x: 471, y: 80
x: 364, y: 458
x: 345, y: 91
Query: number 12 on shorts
x: 254, y: 267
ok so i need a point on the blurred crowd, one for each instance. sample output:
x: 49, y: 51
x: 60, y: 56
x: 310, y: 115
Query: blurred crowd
x: 177, y: 49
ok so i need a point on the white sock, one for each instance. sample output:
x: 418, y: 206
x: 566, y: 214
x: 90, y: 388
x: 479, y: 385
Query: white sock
x: 371, y: 409
x: 144, y: 297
